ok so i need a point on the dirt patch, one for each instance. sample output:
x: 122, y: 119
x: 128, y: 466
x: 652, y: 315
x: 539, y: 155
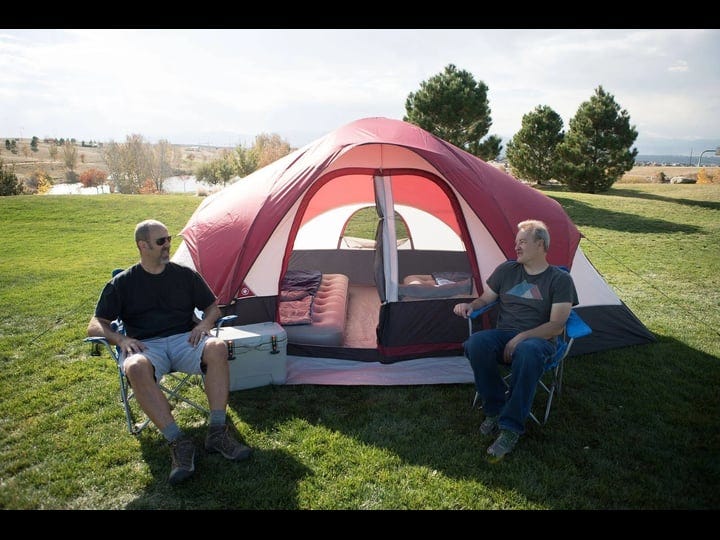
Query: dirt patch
x: 651, y: 174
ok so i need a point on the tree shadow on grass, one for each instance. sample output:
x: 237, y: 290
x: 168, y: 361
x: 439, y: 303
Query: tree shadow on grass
x: 619, y: 192
x: 556, y: 192
x: 586, y: 215
x: 635, y: 428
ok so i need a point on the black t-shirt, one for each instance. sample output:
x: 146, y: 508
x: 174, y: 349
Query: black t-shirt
x: 525, y: 299
x: 155, y: 305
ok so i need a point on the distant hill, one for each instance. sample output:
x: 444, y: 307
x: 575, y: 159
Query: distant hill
x: 26, y: 161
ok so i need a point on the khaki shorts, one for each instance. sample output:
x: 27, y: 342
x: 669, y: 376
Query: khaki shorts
x: 173, y: 353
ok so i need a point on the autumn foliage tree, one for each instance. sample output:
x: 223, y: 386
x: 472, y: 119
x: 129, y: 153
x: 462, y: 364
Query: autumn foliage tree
x: 269, y: 148
x: 93, y: 178
x: 162, y: 160
x: 266, y: 149
x: 38, y: 182
x: 129, y: 163
x: 70, y: 157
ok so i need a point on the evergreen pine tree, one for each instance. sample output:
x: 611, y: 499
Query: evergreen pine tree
x: 596, y: 151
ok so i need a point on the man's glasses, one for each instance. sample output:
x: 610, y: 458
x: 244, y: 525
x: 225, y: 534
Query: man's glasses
x: 161, y: 241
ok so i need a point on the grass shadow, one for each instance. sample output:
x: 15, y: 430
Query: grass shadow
x: 267, y: 480
x: 593, y: 450
x: 584, y: 214
x: 635, y: 194
x: 556, y: 191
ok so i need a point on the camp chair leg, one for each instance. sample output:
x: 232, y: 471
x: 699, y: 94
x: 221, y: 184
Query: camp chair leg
x: 559, y: 376
x: 550, y: 390
x: 548, y: 405
x: 124, y: 397
x: 174, y: 391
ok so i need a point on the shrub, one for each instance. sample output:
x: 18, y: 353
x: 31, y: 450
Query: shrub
x: 149, y: 187
x: 38, y: 182
x: 9, y: 183
x: 660, y: 178
x: 703, y: 177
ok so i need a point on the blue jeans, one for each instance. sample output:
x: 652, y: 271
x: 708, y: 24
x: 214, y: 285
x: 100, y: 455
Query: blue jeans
x: 484, y: 349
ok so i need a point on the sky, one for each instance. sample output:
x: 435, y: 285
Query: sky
x: 223, y: 87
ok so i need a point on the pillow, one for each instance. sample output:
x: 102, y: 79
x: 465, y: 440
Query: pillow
x: 443, y: 278
x: 296, y: 311
x: 292, y: 295
x: 436, y: 291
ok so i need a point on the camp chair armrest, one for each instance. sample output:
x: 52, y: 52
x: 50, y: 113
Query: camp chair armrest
x: 477, y: 313
x: 576, y: 327
x: 95, y: 343
x: 481, y: 310
x: 221, y: 321
x: 97, y: 339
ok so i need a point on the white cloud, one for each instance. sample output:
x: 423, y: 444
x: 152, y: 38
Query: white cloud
x: 679, y: 66
x: 192, y: 85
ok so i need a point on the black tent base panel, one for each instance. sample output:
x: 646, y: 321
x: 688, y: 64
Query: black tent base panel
x: 613, y: 327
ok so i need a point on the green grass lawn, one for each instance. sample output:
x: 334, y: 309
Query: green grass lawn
x: 635, y: 428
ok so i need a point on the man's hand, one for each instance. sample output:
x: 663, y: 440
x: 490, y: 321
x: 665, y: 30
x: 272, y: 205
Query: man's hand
x: 510, y: 348
x: 197, y: 334
x: 463, y: 310
x: 130, y: 346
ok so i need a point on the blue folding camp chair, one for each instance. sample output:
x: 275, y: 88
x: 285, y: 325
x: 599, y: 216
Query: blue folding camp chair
x: 172, y: 384
x: 551, y: 381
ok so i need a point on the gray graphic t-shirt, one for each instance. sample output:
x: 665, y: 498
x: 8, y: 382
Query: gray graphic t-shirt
x: 526, y: 300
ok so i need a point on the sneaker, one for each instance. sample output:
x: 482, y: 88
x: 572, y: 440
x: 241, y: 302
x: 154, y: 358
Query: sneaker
x: 490, y: 426
x: 503, y: 445
x: 182, y: 451
x: 220, y: 440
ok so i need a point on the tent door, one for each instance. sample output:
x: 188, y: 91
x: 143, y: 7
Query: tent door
x: 386, y: 263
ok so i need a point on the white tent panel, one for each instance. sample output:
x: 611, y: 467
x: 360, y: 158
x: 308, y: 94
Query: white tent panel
x: 264, y: 276
x: 488, y: 253
x: 592, y: 288
x: 182, y: 256
x: 381, y: 156
x: 429, y: 232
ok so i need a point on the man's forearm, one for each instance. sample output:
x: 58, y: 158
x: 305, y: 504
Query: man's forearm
x: 98, y: 328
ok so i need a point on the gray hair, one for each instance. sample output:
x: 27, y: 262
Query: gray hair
x: 142, y: 229
x: 538, y: 229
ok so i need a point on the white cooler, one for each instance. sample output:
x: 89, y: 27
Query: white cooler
x: 257, y: 354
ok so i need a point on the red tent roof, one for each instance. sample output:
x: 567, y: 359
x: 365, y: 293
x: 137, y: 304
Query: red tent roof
x: 228, y: 230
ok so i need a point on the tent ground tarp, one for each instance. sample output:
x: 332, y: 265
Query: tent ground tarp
x: 328, y: 371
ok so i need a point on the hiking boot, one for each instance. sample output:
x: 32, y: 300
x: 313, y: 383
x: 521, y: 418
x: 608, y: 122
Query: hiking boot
x: 490, y: 426
x: 219, y: 439
x: 182, y: 451
x: 503, y: 445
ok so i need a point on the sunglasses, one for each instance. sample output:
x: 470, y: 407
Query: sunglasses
x: 161, y: 241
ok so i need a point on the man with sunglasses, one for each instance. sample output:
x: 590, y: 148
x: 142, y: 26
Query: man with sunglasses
x: 156, y: 300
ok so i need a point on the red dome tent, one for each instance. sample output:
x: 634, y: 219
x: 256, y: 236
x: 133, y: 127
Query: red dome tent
x: 453, y: 214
